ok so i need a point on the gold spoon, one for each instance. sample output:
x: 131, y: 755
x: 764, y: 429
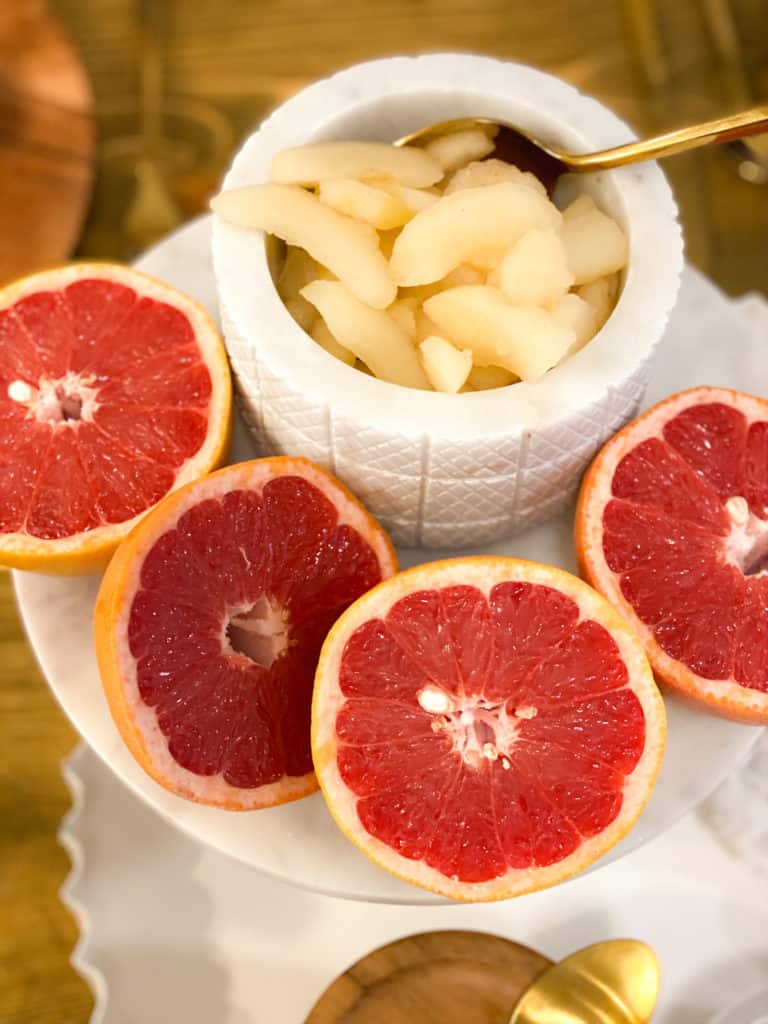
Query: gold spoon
x: 548, y: 161
x: 615, y: 982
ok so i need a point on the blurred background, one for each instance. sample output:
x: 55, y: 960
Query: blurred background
x: 117, y: 119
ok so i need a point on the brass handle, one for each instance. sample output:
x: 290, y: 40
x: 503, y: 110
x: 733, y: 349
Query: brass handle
x: 722, y: 129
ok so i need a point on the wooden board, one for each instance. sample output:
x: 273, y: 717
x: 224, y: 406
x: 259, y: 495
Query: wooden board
x: 451, y: 977
x: 37, y: 932
x: 46, y: 169
x: 46, y: 140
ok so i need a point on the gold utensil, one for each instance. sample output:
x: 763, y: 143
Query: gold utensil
x: 736, y: 83
x: 548, y: 161
x: 615, y: 982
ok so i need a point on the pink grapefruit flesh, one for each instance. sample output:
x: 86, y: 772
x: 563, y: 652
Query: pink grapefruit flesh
x: 210, y: 620
x: 114, y: 389
x: 672, y: 528
x: 484, y: 726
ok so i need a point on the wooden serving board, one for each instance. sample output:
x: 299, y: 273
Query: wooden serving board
x: 46, y: 140
x: 451, y: 977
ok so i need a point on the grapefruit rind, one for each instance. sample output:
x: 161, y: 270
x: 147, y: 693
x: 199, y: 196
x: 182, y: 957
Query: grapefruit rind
x: 136, y: 722
x: 483, y: 573
x: 722, y: 696
x: 89, y: 553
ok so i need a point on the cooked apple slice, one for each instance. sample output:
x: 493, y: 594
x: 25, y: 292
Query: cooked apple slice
x: 414, y: 198
x: 456, y: 226
x: 301, y: 311
x: 574, y: 313
x: 523, y: 339
x: 313, y: 163
x: 581, y: 205
x: 491, y: 172
x: 594, y: 243
x: 418, y: 198
x: 424, y: 326
x: 321, y: 333
x: 348, y: 249
x: 371, y: 334
x: 382, y: 210
x: 403, y: 312
x: 484, y: 377
x: 601, y: 295
x: 463, y: 274
x: 446, y: 366
x: 459, y: 148
x: 534, y: 272
x: 298, y: 270
x: 486, y: 261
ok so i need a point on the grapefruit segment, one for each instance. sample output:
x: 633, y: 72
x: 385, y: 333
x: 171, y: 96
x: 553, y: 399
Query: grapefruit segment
x: 484, y: 727
x: 672, y: 527
x: 654, y: 475
x: 750, y: 647
x: 114, y: 390
x: 210, y: 619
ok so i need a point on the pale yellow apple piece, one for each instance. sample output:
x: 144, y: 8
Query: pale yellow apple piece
x: 313, y: 163
x: 424, y: 326
x: 523, y: 339
x: 321, y: 333
x: 381, y: 209
x: 491, y: 172
x: 594, y: 243
x: 349, y: 249
x: 298, y: 270
x: 418, y: 199
x: 487, y: 260
x: 456, y: 226
x: 463, y: 274
x: 414, y: 198
x: 446, y: 366
x: 301, y: 311
x: 573, y: 312
x: 601, y: 295
x: 459, y: 148
x: 371, y: 334
x: 581, y: 204
x: 403, y: 312
x: 534, y: 272
x: 484, y: 377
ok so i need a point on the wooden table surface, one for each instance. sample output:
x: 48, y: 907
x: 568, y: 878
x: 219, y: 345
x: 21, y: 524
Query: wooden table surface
x: 223, y: 66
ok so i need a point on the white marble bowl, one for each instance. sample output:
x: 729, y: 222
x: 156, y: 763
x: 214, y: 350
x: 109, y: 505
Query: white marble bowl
x: 444, y: 470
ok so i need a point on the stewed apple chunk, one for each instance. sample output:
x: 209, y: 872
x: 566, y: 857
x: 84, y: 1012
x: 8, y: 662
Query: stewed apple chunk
x: 437, y: 267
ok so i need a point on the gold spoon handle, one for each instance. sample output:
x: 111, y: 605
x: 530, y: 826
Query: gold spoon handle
x: 722, y: 129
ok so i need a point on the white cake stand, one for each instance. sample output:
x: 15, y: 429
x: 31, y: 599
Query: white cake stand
x: 709, y: 341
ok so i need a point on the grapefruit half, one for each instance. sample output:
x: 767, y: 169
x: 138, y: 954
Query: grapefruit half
x: 672, y: 527
x: 210, y: 619
x: 484, y: 727
x: 114, y: 390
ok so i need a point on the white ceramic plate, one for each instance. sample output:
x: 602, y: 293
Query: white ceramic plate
x: 172, y: 932
x: 710, y: 340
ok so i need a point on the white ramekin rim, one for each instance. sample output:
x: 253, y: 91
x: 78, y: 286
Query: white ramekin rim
x: 464, y: 84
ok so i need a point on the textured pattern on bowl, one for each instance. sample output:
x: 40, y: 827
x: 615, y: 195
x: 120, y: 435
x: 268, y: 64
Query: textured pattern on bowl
x: 441, y: 470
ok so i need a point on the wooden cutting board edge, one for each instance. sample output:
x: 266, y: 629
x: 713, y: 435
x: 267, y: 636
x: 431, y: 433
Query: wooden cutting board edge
x: 450, y: 977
